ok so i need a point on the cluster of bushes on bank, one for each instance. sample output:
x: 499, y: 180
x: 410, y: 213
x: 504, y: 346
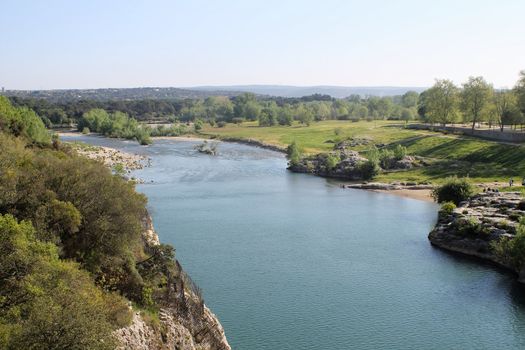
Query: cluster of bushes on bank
x: 344, y: 163
x: 115, y: 124
x: 70, y: 243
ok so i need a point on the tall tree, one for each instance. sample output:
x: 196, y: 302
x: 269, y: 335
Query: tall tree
x: 441, y: 102
x: 506, y: 108
x: 519, y: 90
x: 475, y: 96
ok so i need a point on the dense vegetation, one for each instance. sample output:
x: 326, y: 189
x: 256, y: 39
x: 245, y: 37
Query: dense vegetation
x: 70, y: 243
x: 115, y: 124
x: 454, y: 190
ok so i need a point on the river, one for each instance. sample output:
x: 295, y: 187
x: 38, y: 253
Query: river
x: 292, y: 261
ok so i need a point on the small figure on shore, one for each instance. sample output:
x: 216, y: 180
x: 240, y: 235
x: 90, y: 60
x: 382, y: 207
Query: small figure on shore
x: 523, y: 182
x: 511, y: 182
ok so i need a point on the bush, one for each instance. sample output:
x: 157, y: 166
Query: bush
x: 221, y: 124
x: 293, y: 153
x: 85, y: 130
x: 448, y: 208
x: 331, y: 161
x: 400, y: 152
x: 471, y: 227
x: 454, y: 190
x: 512, y: 250
x: 368, y: 169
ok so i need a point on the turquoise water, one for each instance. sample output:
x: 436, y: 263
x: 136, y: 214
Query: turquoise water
x: 291, y: 261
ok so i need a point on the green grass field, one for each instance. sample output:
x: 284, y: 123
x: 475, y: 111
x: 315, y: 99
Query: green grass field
x: 480, y: 160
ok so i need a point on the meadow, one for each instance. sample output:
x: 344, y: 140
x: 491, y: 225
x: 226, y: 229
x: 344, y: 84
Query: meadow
x: 445, y: 154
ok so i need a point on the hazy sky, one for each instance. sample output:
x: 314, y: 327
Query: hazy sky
x: 95, y: 43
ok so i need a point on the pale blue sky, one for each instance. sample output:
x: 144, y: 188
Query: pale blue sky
x: 127, y: 43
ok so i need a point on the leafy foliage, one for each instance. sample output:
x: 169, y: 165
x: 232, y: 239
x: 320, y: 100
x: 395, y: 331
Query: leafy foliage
x: 70, y: 239
x: 454, y: 190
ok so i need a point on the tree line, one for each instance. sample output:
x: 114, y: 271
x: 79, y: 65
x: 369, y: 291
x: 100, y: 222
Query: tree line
x: 475, y: 101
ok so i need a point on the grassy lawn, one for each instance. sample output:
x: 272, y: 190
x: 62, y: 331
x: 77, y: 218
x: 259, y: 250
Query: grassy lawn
x: 482, y: 161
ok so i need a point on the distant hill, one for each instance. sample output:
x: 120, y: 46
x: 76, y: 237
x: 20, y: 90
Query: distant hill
x: 141, y: 93
x: 170, y: 93
x: 299, y: 91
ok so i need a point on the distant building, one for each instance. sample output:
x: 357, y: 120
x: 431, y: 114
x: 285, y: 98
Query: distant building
x: 3, y: 89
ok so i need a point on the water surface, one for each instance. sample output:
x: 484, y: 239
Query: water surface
x: 291, y: 261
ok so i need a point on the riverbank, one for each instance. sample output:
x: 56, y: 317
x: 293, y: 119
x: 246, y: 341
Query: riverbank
x: 413, y: 191
x: 444, y: 155
x: 182, y: 320
x: 478, y: 227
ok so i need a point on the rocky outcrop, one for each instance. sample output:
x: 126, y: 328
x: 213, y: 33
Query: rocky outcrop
x: 343, y: 164
x: 475, y: 225
x: 184, y: 321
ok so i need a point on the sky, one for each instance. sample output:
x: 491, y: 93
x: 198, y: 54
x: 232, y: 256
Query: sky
x: 132, y: 43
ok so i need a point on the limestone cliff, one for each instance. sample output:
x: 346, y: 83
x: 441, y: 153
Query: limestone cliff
x: 184, y: 321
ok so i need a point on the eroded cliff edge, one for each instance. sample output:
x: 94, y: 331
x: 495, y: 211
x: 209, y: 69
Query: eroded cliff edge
x: 476, y: 227
x: 184, y: 321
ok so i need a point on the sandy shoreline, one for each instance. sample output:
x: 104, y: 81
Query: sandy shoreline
x: 422, y: 195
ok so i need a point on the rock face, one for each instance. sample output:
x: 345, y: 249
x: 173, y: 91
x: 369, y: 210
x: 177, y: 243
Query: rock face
x: 184, y: 321
x: 474, y: 225
x: 346, y: 165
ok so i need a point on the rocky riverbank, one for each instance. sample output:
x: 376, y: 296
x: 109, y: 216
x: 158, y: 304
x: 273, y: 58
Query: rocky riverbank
x: 343, y: 162
x: 112, y: 157
x: 475, y: 226
x: 184, y: 321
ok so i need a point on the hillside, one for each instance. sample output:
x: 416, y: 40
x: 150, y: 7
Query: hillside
x: 77, y: 249
x: 116, y: 94
x: 300, y: 91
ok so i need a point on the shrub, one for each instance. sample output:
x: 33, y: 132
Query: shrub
x: 85, y: 130
x: 454, y: 190
x: 331, y: 161
x: 368, y: 169
x: 512, y: 250
x: 400, y: 152
x: 221, y: 124
x: 471, y: 227
x: 293, y: 153
x: 448, y: 208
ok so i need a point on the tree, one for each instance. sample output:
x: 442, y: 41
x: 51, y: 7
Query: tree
x: 304, y: 115
x: 293, y: 153
x: 48, y: 303
x: 285, y: 116
x: 519, y: 90
x: 505, y: 107
x: 384, y: 107
x: 269, y: 114
x: 410, y: 99
x: 475, y: 96
x: 441, y: 102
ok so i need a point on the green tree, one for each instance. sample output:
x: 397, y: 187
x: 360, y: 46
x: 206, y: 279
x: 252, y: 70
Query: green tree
x: 506, y: 108
x: 410, y: 99
x: 475, y: 97
x: 441, y: 102
x: 293, y: 153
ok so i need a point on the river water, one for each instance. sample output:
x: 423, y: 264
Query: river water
x: 292, y: 261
